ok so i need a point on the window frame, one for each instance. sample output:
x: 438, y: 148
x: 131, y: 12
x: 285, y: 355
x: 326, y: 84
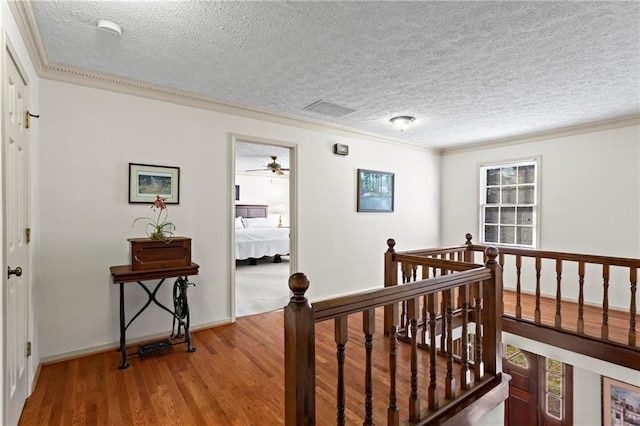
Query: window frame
x: 482, y: 188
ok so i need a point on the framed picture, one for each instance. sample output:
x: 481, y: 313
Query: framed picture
x: 375, y: 191
x: 620, y: 403
x: 147, y: 180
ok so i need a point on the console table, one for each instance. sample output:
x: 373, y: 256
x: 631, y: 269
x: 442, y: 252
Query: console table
x: 124, y: 274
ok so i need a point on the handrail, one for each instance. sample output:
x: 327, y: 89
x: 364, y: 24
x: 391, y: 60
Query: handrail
x: 351, y: 304
x: 573, y: 257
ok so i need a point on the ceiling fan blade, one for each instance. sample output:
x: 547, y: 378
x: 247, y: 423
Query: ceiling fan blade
x: 257, y: 170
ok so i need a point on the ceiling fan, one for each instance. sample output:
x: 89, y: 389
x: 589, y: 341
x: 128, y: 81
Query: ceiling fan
x: 273, y: 167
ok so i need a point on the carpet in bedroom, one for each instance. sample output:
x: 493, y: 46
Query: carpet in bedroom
x: 262, y: 287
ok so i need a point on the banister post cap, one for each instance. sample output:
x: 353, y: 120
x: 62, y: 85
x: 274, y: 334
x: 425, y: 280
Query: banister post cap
x: 391, y: 243
x: 469, y: 237
x: 299, y: 284
x: 492, y: 254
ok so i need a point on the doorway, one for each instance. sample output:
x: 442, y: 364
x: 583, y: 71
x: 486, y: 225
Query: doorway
x: 263, y: 225
x: 540, y: 390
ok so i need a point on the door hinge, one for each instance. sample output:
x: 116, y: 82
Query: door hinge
x: 27, y: 234
x: 28, y: 349
x: 27, y: 119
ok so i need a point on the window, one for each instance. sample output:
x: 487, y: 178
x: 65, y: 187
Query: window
x: 509, y: 203
x: 557, y: 395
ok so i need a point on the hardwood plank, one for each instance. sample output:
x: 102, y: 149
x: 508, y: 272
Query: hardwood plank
x: 235, y: 377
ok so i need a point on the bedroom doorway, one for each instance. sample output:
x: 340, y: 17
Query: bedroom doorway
x: 262, y: 226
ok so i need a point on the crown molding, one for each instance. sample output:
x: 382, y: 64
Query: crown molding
x: 25, y: 19
x: 596, y: 126
x: 26, y: 22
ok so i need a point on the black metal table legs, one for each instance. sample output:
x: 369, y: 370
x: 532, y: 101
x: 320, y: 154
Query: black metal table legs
x: 180, y: 314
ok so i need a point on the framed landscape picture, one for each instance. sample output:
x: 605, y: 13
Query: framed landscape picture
x: 147, y: 180
x: 620, y: 403
x: 375, y: 191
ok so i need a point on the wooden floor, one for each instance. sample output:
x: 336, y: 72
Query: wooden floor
x: 618, y: 321
x: 235, y: 377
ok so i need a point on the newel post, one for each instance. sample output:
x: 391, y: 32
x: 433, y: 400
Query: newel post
x: 468, y: 253
x: 492, y: 314
x: 299, y: 355
x: 390, y: 279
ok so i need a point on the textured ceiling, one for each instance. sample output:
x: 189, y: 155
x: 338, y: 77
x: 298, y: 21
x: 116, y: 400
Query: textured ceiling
x: 469, y: 71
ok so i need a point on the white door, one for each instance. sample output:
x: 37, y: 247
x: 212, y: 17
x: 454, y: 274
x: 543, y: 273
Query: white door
x: 15, y: 98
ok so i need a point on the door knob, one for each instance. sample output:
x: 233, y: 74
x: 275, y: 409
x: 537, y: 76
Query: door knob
x: 17, y: 272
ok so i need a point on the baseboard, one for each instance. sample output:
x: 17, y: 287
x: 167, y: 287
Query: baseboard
x: 93, y: 350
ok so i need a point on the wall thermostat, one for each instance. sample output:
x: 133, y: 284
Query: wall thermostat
x: 341, y: 149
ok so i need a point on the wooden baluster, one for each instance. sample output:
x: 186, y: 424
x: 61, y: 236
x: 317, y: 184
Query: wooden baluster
x: 390, y: 279
x: 478, y: 363
x: 404, y: 322
x: 558, y: 322
x: 605, y: 303
x: 445, y: 321
x: 518, y: 286
x: 465, y: 371
x: 432, y: 300
x: 299, y: 355
x: 450, y: 380
x: 425, y: 275
x: 368, y: 328
x: 393, y: 413
x: 341, y: 338
x: 414, y: 399
x: 581, y: 297
x: 633, y: 278
x: 537, y: 310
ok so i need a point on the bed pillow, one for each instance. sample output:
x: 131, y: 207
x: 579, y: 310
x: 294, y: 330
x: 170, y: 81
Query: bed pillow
x: 239, y: 223
x: 257, y: 222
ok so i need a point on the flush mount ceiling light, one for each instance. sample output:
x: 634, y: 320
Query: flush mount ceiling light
x: 402, y: 122
x: 109, y: 27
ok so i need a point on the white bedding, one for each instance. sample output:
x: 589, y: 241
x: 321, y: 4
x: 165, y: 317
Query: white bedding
x: 259, y: 242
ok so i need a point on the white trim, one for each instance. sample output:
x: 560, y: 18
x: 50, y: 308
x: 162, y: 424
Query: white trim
x: 91, y: 350
x: 596, y: 126
x: 535, y: 161
x: 293, y: 206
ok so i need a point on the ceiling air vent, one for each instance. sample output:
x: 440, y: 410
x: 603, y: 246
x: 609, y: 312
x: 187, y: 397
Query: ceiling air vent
x: 326, y: 108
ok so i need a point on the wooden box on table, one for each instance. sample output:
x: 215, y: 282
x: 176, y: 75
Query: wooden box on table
x: 147, y: 253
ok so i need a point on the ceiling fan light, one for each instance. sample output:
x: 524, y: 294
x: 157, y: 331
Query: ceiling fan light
x: 401, y: 122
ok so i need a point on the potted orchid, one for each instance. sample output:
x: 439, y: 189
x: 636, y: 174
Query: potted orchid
x: 160, y: 228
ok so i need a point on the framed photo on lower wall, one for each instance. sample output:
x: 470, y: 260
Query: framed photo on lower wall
x: 148, y: 180
x: 620, y: 403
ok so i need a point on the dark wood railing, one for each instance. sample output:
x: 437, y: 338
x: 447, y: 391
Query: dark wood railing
x: 565, y: 278
x: 472, y: 288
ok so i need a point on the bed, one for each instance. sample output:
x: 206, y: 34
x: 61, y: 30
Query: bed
x: 256, y: 236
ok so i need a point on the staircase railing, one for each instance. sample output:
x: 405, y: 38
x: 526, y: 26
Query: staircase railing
x: 562, y: 286
x: 474, y: 289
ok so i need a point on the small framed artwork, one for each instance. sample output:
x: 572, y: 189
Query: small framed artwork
x: 375, y: 191
x: 237, y: 192
x: 620, y: 403
x: 147, y: 180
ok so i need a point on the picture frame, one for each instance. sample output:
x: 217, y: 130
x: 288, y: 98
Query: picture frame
x: 146, y: 181
x: 375, y: 191
x: 620, y: 403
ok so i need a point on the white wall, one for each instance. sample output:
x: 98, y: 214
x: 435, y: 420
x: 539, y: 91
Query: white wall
x: 88, y: 138
x: 589, y: 199
x: 269, y: 190
x: 8, y: 25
